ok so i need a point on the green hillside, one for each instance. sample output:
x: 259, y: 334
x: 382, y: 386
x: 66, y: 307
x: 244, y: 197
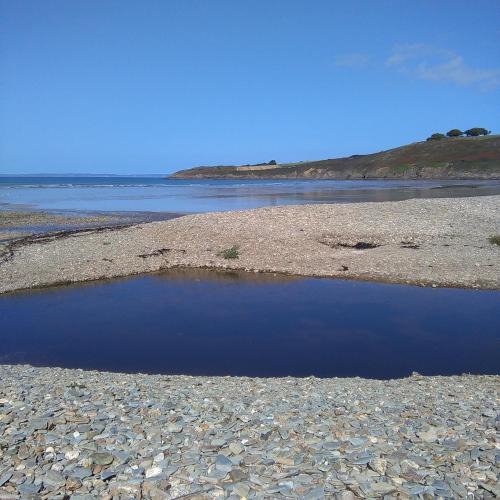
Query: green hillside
x: 452, y: 158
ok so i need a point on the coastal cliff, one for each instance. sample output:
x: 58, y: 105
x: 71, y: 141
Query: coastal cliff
x: 450, y: 158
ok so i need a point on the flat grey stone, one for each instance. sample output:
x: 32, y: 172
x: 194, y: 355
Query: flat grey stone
x: 223, y: 464
x: 356, y: 441
x: 238, y: 475
x: 317, y: 493
x: 428, y: 436
x: 107, y: 474
x: 175, y: 428
x: 5, y: 477
x: 102, y: 458
x: 53, y: 480
x: 38, y: 424
x: 241, y: 489
x: 80, y: 472
x: 29, y: 489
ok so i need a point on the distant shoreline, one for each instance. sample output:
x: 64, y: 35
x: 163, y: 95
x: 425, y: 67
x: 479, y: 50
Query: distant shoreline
x: 243, y: 177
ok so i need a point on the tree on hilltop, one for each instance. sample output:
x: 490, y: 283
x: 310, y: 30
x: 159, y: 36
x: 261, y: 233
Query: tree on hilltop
x: 436, y: 137
x: 476, y: 131
x: 454, y: 132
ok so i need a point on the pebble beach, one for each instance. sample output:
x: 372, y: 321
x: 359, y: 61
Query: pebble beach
x: 85, y: 434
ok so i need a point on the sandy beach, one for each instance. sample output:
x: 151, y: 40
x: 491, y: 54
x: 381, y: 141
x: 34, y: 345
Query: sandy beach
x: 431, y: 242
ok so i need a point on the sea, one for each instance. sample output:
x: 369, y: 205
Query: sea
x: 161, y: 194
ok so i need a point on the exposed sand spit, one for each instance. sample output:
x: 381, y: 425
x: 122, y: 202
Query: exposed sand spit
x: 442, y: 242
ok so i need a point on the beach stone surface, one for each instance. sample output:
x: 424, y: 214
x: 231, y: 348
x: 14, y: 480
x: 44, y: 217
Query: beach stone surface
x: 428, y: 242
x: 85, y: 434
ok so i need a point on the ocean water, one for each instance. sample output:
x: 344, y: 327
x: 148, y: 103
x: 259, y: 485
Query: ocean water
x: 157, y: 194
x: 213, y: 323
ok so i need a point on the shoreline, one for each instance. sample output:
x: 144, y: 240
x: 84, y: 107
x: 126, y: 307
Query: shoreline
x: 99, y: 434
x: 425, y: 242
x: 244, y: 175
x: 274, y: 275
x: 19, y: 221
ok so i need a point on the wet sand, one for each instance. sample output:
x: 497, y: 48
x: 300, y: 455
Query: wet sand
x: 16, y: 223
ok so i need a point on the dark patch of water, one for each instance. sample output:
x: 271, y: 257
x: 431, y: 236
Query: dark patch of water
x: 212, y: 323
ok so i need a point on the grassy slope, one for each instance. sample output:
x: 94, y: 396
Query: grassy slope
x: 476, y: 157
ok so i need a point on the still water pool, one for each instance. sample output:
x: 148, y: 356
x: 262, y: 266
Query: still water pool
x: 212, y: 323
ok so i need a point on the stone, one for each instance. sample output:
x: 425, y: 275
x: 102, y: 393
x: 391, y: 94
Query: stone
x: 80, y: 472
x: 241, y: 489
x: 223, y: 464
x: 238, y: 475
x: 382, y: 489
x: 72, y: 455
x: 428, y: 436
x: 378, y: 465
x: 356, y: 441
x: 28, y: 489
x: 153, y: 472
x: 5, y: 477
x: 236, y: 448
x: 345, y: 495
x: 108, y: 474
x: 317, y: 493
x: 39, y: 424
x: 284, y: 460
x: 174, y: 428
x: 53, y: 480
x: 331, y: 445
x: 218, y: 442
x: 102, y: 458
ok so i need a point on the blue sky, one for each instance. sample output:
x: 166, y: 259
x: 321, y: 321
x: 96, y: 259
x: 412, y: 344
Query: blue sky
x: 154, y: 86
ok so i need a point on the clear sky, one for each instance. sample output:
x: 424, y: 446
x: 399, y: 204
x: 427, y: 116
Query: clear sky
x: 149, y: 86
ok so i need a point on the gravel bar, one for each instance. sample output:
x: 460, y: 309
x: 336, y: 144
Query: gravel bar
x: 430, y: 242
x: 86, y: 434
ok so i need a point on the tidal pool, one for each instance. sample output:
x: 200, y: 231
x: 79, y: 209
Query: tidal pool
x: 214, y: 323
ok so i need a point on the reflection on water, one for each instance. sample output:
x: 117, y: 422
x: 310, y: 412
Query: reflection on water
x: 211, y: 323
x: 223, y: 277
x: 153, y: 194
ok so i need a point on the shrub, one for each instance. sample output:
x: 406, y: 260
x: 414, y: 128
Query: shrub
x: 436, y: 137
x: 230, y: 253
x: 454, y: 132
x: 272, y: 162
x: 495, y: 239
